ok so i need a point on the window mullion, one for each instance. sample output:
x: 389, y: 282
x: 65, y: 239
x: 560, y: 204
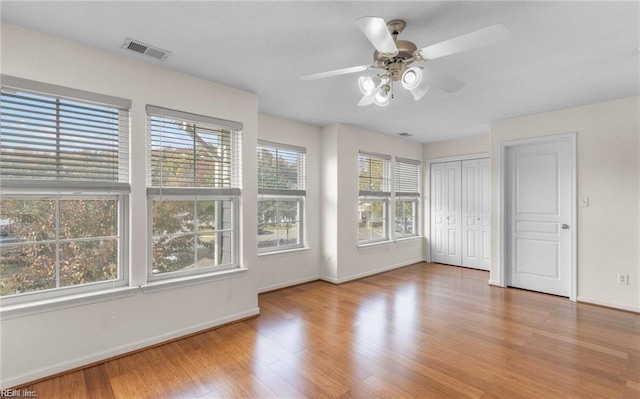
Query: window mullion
x: 196, y: 222
x: 57, y: 224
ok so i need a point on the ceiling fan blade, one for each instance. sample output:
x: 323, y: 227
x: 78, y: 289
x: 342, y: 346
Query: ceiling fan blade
x: 366, y: 100
x: 419, y: 91
x: 376, y: 30
x: 441, y: 81
x: 336, y: 72
x: 480, y: 38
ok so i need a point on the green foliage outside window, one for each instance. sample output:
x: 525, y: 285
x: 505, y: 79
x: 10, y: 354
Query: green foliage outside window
x: 40, y: 251
x: 279, y: 215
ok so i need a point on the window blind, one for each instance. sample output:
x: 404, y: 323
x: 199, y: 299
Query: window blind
x: 190, y: 153
x: 281, y: 169
x: 373, y: 174
x: 53, y: 141
x: 407, y: 179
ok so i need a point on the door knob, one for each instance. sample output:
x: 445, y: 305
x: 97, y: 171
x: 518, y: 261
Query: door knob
x: 565, y: 226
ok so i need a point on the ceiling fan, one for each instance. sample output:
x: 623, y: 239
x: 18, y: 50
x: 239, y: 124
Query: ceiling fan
x: 395, y: 58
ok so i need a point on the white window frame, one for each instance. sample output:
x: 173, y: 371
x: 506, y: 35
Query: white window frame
x: 376, y: 195
x: 204, y: 270
x: 70, y: 189
x: 300, y: 204
x: 407, y: 191
x: 286, y: 194
x: 168, y: 193
x: 385, y: 219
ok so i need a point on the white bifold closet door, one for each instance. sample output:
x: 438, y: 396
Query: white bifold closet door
x: 446, y: 197
x: 461, y: 213
x: 476, y: 213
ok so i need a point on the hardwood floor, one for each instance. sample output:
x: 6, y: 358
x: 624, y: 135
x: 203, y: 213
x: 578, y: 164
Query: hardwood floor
x: 425, y: 331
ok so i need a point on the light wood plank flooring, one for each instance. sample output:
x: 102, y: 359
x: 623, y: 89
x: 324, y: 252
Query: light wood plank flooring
x: 427, y: 331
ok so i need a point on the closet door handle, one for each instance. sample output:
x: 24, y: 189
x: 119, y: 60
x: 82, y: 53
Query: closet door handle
x: 564, y: 226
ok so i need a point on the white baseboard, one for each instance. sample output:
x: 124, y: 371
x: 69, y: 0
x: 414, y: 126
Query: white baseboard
x: 369, y: 273
x: 287, y: 284
x: 608, y: 304
x: 495, y: 282
x: 18, y: 380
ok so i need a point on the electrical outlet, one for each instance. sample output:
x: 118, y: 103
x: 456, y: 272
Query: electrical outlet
x: 623, y: 279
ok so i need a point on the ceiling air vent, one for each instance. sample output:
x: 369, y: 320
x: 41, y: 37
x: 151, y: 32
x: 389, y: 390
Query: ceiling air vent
x: 142, y: 48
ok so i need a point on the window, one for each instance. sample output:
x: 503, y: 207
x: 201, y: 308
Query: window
x: 65, y: 187
x: 374, y: 195
x: 407, y: 192
x: 193, y: 189
x: 281, y: 189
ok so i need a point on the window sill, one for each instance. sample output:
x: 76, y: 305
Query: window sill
x: 374, y: 244
x: 70, y: 301
x: 162, y: 285
x: 283, y: 251
x: 388, y: 242
x: 411, y: 238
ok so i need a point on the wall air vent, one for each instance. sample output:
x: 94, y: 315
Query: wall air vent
x: 142, y: 48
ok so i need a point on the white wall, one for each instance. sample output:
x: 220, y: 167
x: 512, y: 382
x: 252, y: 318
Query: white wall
x: 341, y: 145
x: 453, y: 148
x: 38, y: 345
x: 276, y: 270
x: 330, y: 226
x: 608, y: 166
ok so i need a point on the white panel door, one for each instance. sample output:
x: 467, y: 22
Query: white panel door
x: 539, y: 188
x: 476, y: 214
x: 446, y: 213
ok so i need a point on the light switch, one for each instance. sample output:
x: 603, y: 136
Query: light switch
x: 583, y: 201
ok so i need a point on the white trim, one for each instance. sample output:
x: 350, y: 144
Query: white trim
x: 370, y: 272
x: 123, y: 349
x: 64, y: 302
x: 161, y: 285
x: 458, y: 158
x: 287, y: 284
x: 377, y: 155
x: 620, y: 306
x: 504, y: 229
x: 408, y: 160
x: 290, y: 251
x: 372, y: 244
x: 62, y: 91
x: 400, y: 240
x: 193, y: 118
x: 282, y: 146
x: 495, y: 283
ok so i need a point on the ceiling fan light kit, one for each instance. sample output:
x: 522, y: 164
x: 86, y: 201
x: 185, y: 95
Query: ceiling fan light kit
x: 367, y: 85
x: 381, y: 97
x: 395, y: 57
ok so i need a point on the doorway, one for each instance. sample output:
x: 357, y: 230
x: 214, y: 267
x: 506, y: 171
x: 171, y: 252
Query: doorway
x: 460, y: 212
x: 539, y: 214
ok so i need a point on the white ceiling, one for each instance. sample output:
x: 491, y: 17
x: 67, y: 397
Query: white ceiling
x: 560, y: 54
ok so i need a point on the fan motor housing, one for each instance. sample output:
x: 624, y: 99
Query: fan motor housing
x: 395, y: 64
